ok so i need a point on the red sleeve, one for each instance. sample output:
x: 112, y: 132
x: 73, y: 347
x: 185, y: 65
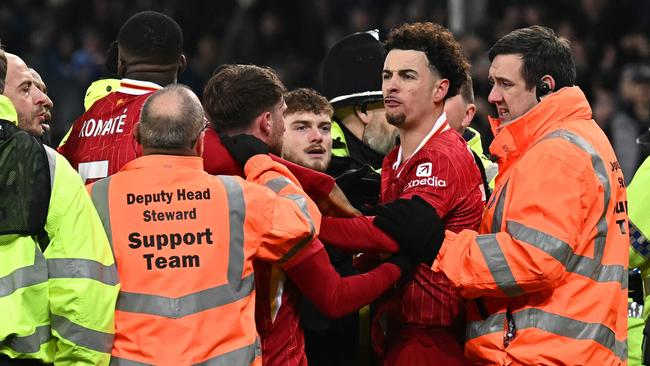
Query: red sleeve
x: 307, y: 251
x: 335, y: 296
x: 356, y: 234
x: 315, y: 184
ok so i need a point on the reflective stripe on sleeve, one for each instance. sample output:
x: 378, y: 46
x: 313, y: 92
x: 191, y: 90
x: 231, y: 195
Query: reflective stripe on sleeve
x: 82, y: 336
x: 498, y: 265
x: 564, y: 254
x: 276, y: 185
x: 31, y: 343
x: 301, y: 201
x: 558, y: 249
x: 82, y: 268
x: 552, y: 246
x: 25, y: 276
x: 497, y: 217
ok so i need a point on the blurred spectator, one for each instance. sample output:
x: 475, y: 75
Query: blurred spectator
x: 632, y: 118
x: 63, y: 38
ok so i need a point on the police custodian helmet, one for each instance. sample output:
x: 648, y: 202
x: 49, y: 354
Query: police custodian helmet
x: 352, y: 70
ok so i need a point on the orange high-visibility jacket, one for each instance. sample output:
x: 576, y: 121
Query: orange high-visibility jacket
x: 184, y: 242
x: 549, y: 266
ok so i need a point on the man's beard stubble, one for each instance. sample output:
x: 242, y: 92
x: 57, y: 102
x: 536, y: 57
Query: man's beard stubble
x: 395, y: 119
x: 320, y: 166
x: 379, y: 139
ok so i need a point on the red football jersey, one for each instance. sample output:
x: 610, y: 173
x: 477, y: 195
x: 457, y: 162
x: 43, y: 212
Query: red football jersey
x: 101, y: 140
x: 443, y: 172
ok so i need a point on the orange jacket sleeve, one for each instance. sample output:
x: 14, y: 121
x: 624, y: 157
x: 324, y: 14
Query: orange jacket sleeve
x: 261, y: 170
x: 543, y: 206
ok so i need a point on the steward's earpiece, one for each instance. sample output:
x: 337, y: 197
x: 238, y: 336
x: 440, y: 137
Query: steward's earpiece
x: 542, y: 89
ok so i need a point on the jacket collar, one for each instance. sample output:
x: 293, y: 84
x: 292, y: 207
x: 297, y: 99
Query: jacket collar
x: 7, y: 110
x: 515, y: 138
x: 169, y: 161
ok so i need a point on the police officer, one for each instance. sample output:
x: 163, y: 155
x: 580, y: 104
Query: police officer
x: 361, y: 136
x: 638, y: 197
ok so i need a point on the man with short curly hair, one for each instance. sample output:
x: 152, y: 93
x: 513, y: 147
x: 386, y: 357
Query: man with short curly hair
x: 429, y: 183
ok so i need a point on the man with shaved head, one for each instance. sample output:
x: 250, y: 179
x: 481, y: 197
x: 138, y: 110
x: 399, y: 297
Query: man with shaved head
x: 48, y: 105
x: 31, y: 103
x: 184, y: 241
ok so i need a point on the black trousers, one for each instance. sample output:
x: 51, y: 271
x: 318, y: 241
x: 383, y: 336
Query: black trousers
x: 8, y: 361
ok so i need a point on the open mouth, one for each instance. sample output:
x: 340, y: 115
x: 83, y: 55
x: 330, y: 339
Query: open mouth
x: 315, y: 151
x: 42, y: 119
x: 391, y: 102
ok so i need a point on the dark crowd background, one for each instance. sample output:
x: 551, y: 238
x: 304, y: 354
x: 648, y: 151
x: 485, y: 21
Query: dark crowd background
x: 66, y: 41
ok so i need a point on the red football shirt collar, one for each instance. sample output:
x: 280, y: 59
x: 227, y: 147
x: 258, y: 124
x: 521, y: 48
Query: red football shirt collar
x: 440, y: 126
x: 137, y: 87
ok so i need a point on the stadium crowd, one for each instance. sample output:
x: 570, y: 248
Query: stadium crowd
x: 66, y: 41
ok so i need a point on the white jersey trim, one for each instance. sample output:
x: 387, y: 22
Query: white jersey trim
x: 436, y: 126
x: 137, y: 87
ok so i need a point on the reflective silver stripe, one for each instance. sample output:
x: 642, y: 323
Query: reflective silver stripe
x: 82, y: 336
x: 552, y: 323
x: 31, y: 343
x: 601, y: 173
x: 563, y: 253
x: 570, y: 328
x: 498, y: 265
x: 258, y: 346
x: 494, y: 323
x: 51, y: 160
x: 497, y: 217
x: 277, y: 184
x: 301, y: 201
x: 25, y: 276
x: 236, y: 217
x: 179, y: 307
x: 119, y: 361
x: 243, y: 356
x: 99, y: 195
x: 493, y: 255
x: 82, y: 268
